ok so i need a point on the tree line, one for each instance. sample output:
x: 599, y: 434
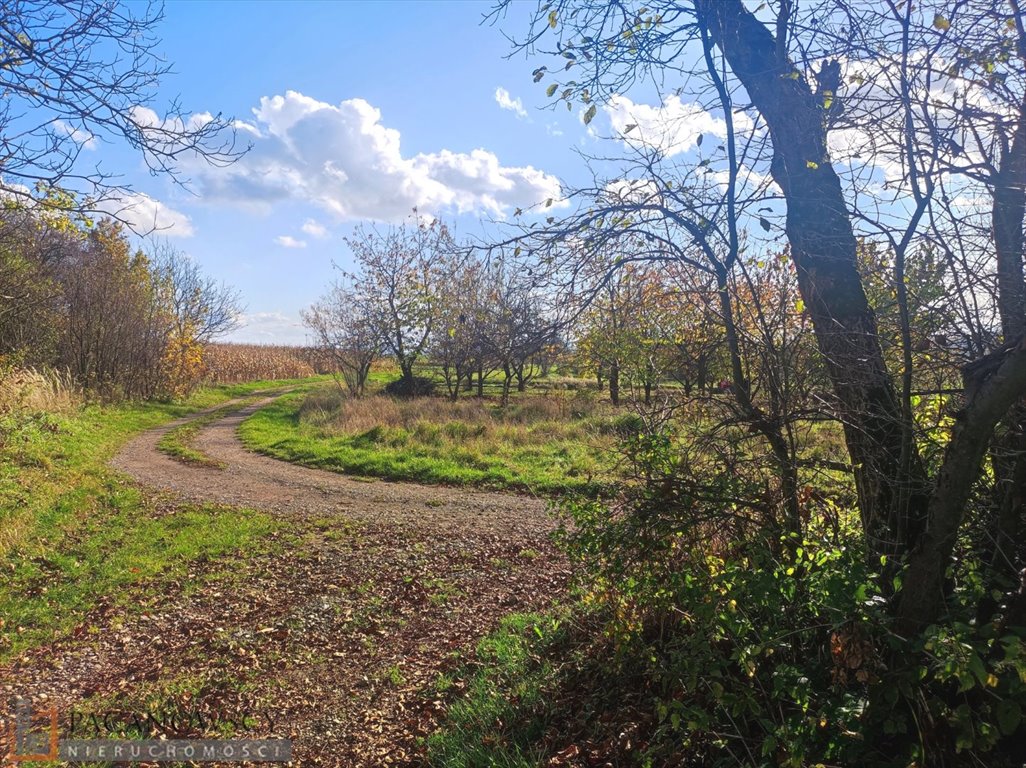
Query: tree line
x: 121, y: 321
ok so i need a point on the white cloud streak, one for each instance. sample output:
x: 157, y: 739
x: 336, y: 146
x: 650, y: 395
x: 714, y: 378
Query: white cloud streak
x: 314, y: 228
x: 507, y: 102
x: 287, y: 241
x: 671, y: 128
x: 145, y: 214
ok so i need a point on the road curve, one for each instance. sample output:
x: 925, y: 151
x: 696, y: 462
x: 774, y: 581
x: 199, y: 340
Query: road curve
x: 261, y: 482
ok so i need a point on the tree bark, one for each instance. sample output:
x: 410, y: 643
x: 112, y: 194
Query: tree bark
x: 614, y: 383
x: 824, y: 249
x: 921, y: 600
x: 1008, y: 456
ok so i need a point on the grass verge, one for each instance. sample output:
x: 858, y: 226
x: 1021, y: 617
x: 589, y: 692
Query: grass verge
x: 496, y: 712
x: 553, y: 444
x: 74, y: 534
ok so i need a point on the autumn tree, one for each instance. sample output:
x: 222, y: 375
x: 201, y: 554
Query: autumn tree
x: 397, y: 274
x: 514, y: 328
x: 457, y: 340
x: 117, y: 329
x: 344, y: 332
x: 199, y: 309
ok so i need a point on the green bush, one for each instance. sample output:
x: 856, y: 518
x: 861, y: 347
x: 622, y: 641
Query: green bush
x: 713, y: 638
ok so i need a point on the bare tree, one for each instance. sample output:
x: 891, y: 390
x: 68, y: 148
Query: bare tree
x: 81, y: 71
x: 514, y: 329
x: 459, y: 315
x: 198, y: 308
x: 344, y: 332
x: 397, y: 274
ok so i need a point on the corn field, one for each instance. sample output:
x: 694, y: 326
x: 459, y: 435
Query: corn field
x: 236, y: 363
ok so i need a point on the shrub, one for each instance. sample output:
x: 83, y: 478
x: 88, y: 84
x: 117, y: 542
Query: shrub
x: 415, y: 386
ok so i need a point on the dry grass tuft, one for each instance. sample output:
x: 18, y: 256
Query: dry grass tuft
x: 346, y: 416
x: 38, y: 390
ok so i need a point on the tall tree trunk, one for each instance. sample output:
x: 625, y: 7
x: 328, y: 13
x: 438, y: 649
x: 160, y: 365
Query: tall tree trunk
x: 1008, y: 454
x: 823, y: 246
x: 614, y: 382
x: 480, y: 380
x: 996, y: 384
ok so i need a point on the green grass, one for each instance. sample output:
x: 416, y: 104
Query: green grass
x: 552, y: 444
x: 497, y: 716
x: 177, y: 443
x: 73, y: 533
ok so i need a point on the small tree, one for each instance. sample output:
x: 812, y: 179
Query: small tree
x: 455, y: 340
x: 344, y: 332
x: 199, y: 309
x: 397, y: 279
x: 513, y: 330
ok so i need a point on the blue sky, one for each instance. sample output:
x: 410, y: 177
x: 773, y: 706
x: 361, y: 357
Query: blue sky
x: 316, y: 72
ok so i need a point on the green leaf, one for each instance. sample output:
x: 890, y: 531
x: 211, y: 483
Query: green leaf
x: 812, y: 164
x: 590, y: 114
x: 940, y: 22
x: 1008, y: 715
x: 551, y: 89
x: 553, y: 17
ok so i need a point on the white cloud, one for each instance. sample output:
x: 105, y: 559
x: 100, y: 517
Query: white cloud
x: 287, y: 241
x: 314, y: 228
x: 343, y: 159
x: 80, y: 136
x: 672, y: 128
x: 507, y: 102
x: 269, y: 328
x: 144, y: 215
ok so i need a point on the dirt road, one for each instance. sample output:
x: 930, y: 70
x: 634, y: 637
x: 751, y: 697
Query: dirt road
x: 368, y: 592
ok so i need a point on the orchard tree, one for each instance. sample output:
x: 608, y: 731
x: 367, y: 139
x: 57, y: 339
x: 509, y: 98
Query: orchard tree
x: 456, y: 340
x: 398, y: 275
x: 513, y: 330
x: 345, y: 333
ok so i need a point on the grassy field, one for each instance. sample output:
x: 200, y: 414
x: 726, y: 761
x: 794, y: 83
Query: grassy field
x: 72, y: 533
x: 552, y: 443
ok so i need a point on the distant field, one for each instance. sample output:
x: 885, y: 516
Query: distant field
x: 237, y: 363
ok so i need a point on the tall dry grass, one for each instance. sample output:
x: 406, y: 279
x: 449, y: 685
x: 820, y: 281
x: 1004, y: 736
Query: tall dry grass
x: 468, y: 424
x: 38, y: 390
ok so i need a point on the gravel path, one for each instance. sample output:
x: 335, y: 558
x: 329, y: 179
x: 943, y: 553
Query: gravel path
x: 251, y: 480
x: 335, y: 637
